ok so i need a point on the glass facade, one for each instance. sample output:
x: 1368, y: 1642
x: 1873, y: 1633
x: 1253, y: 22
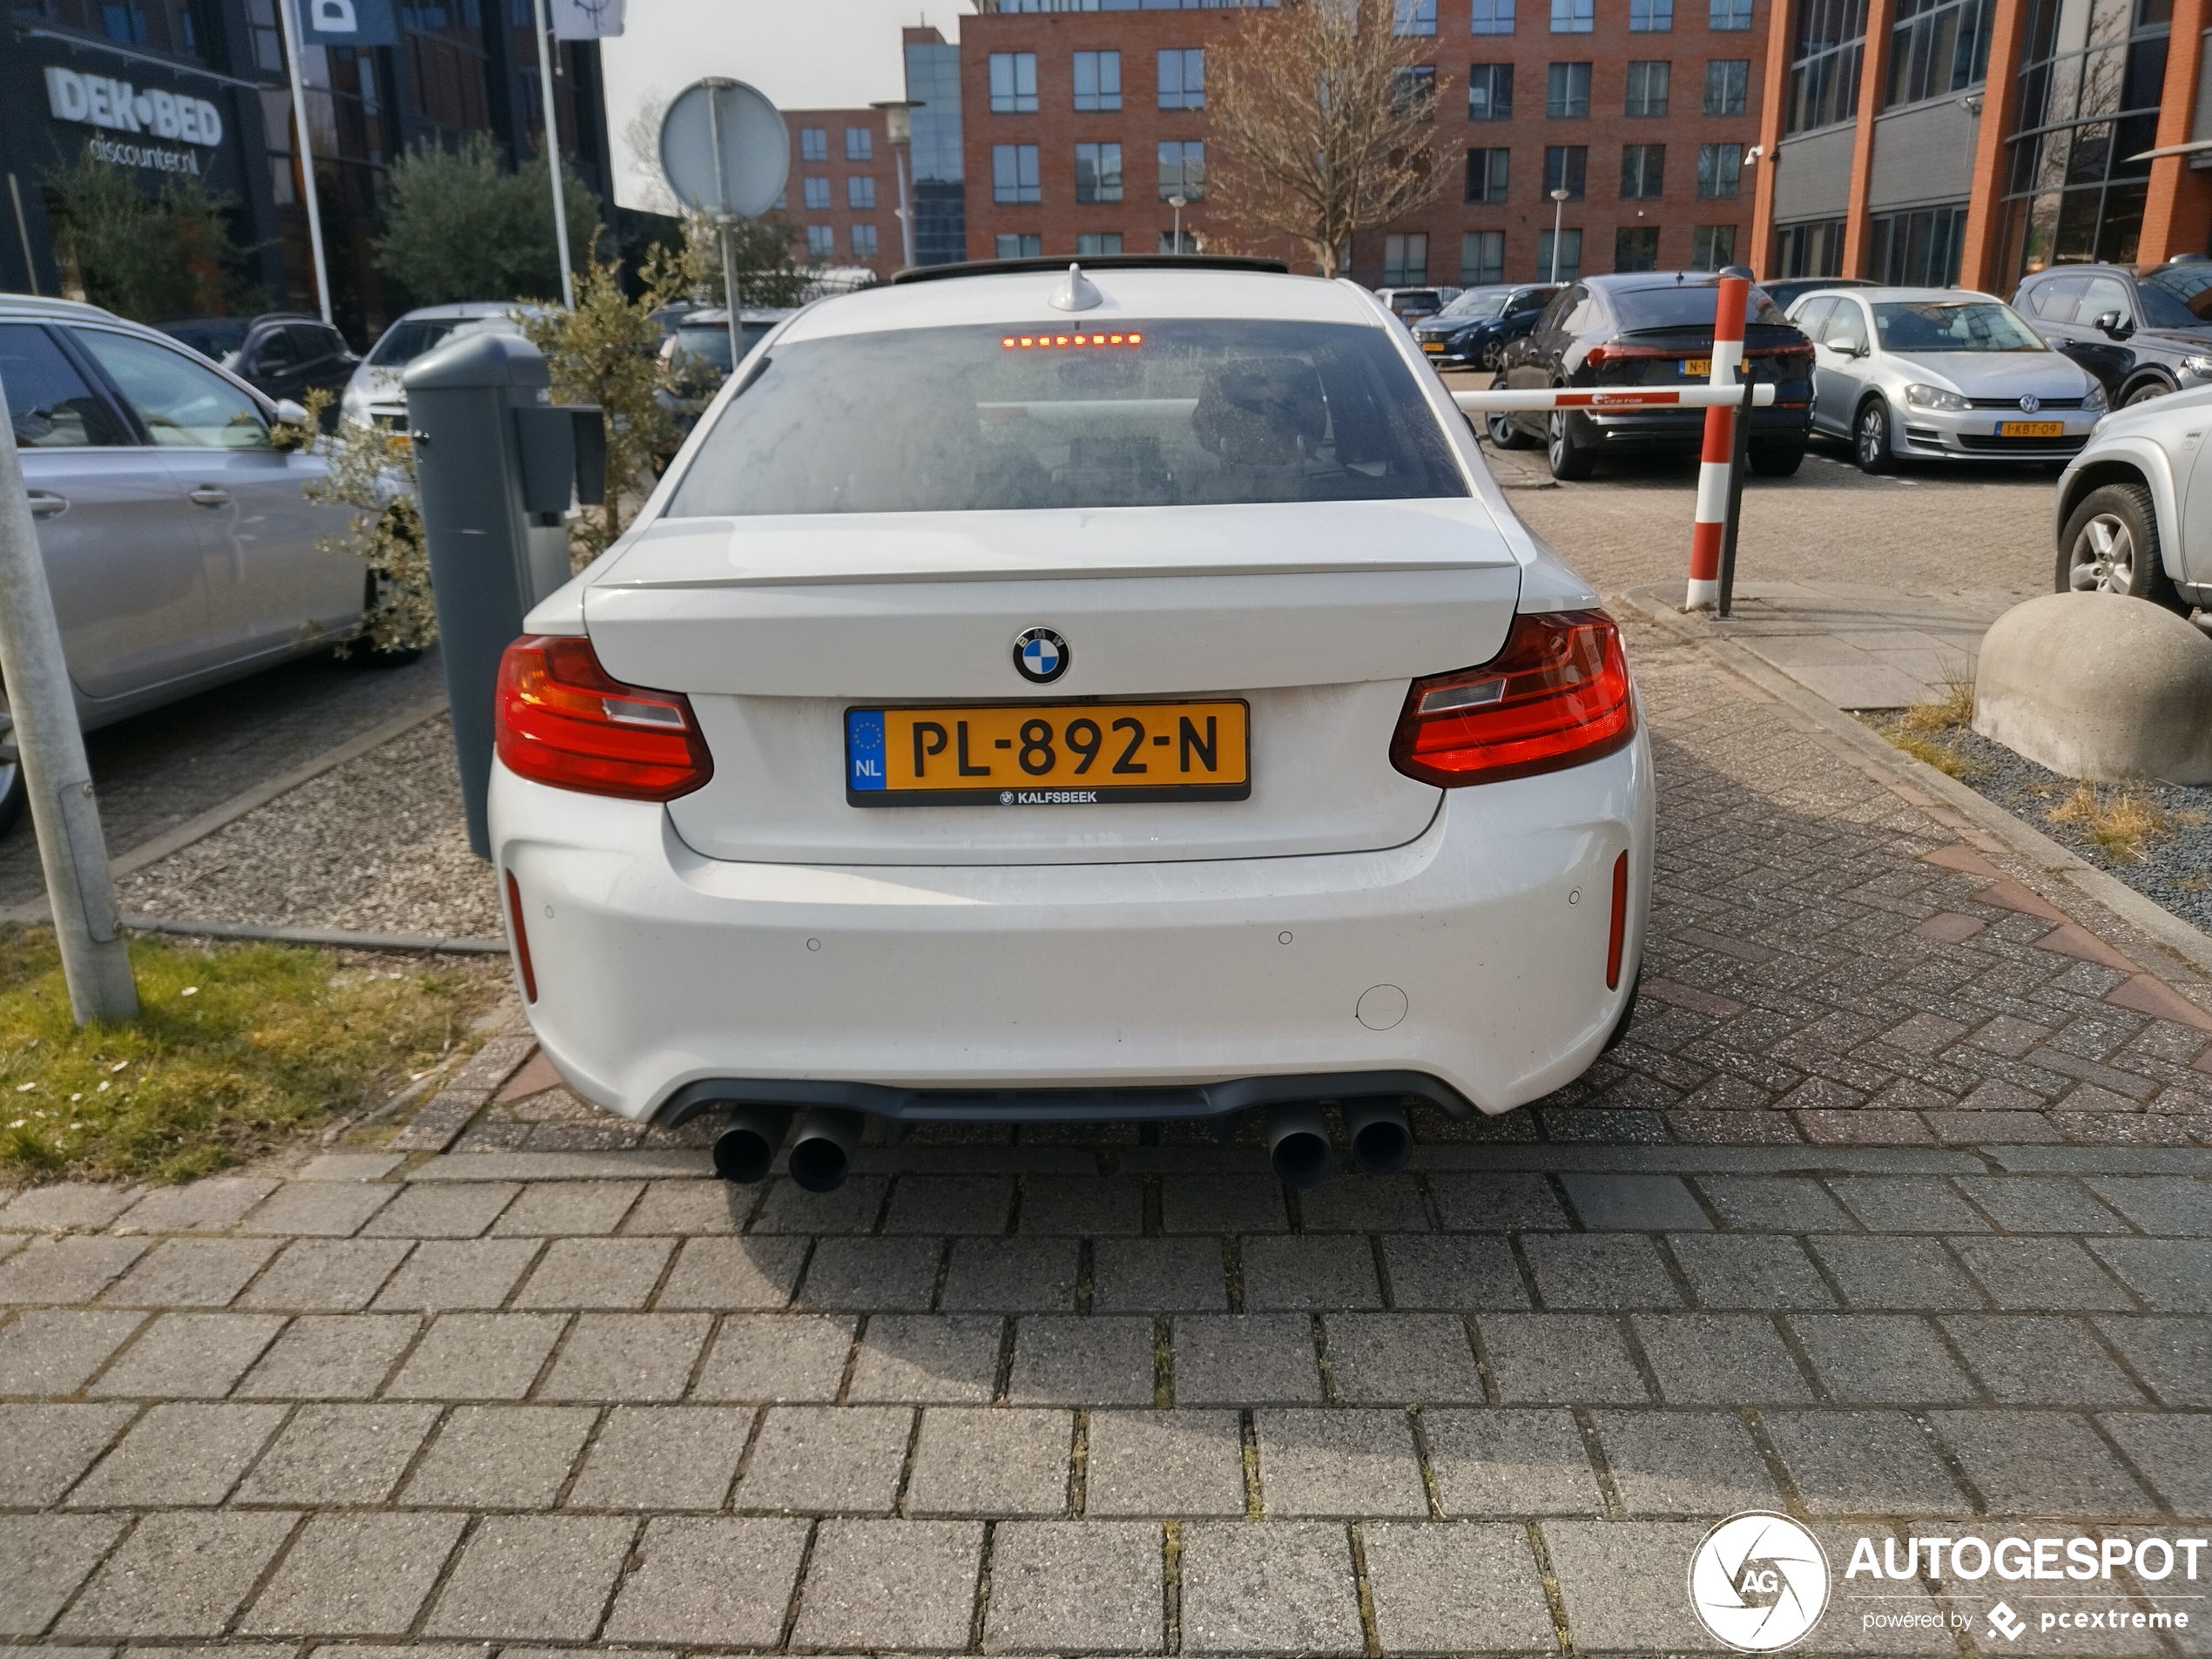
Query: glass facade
x: 939, y: 201
x: 1938, y: 47
x: 1813, y: 248
x: 1920, y: 249
x: 1826, y: 50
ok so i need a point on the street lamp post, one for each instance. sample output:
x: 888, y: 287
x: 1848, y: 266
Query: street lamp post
x: 1178, y: 201
x: 1559, y: 213
x: 898, y: 132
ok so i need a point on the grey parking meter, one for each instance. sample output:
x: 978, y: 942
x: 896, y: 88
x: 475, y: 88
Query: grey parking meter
x: 496, y: 465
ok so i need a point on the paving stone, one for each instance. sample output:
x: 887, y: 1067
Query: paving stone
x: 1879, y: 1359
x: 872, y: 1274
x: 2045, y: 1465
x: 355, y: 1574
x: 203, y: 1206
x: 769, y: 1357
x: 789, y: 1208
x: 2026, y: 1360
x: 190, y: 1273
x: 1011, y: 1276
x: 442, y: 1209
x: 2171, y: 1275
x: 66, y: 1205
x: 1635, y: 1202
x: 478, y: 1356
x: 991, y: 1462
x: 1312, y: 1272
x: 65, y: 1269
x: 1284, y: 1588
x: 1719, y: 1359
x: 2040, y: 1204
x: 663, y: 1457
x: 501, y: 1457
x: 1402, y: 1358
x: 1061, y: 1587
x: 1896, y: 1273
x: 1745, y: 1270
x: 188, y: 1356
x: 318, y: 1208
x: 596, y: 1273
x: 2173, y: 1356
x: 1495, y: 1202
x: 1597, y: 1270
x: 178, y: 1453
x: 1907, y: 1204
x: 901, y: 1585
x: 1245, y: 1359
x: 43, y: 1559
x: 1347, y: 1463
x: 1087, y: 1205
x: 1862, y: 1463
x: 338, y: 1454
x: 331, y: 1357
x: 627, y: 1356
x: 2173, y: 1453
x: 826, y: 1459
x: 1510, y: 1463
x: 182, y: 1573
x: 326, y: 1275
x: 1368, y: 1203
x: 1105, y: 1360
x: 1684, y: 1463
x: 950, y: 1204
x: 928, y: 1357
x: 441, y: 1274
x: 1621, y: 1582
x: 350, y: 1166
x: 1222, y: 1204
x: 1774, y: 1203
x: 1458, y: 1586
x: 1444, y: 1270
x: 718, y: 1581
x: 546, y: 1577
x: 2042, y: 1274
x: 735, y: 1274
x: 569, y: 1208
x: 1157, y: 1275
x: 688, y: 1208
x: 45, y: 1448
x: 1546, y: 1358
x: 52, y: 1351
x: 1183, y: 1462
x: 2178, y: 1205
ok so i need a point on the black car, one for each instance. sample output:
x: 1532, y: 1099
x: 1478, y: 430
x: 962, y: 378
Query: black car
x: 282, y: 354
x: 1473, y: 330
x: 1652, y: 328
x: 2142, y: 333
x: 1789, y: 290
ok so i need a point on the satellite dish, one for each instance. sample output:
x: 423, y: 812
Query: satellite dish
x: 725, y: 150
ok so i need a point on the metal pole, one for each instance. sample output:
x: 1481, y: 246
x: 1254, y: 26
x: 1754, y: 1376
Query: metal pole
x: 1737, y: 457
x: 23, y: 234
x: 50, y: 747
x: 306, y: 156
x: 722, y: 221
x: 906, y: 204
x: 553, y: 158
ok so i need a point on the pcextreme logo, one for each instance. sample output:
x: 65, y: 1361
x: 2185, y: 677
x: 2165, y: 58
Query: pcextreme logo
x: 1758, y: 1581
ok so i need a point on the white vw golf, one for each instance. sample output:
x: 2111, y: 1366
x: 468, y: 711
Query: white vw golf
x: 1046, y: 695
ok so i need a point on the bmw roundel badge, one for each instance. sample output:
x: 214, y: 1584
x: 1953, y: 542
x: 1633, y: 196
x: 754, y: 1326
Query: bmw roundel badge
x: 1040, y: 655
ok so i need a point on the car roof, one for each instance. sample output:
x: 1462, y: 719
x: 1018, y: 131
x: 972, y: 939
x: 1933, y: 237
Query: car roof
x: 461, y: 309
x: 40, y: 305
x: 1913, y: 296
x: 700, y: 316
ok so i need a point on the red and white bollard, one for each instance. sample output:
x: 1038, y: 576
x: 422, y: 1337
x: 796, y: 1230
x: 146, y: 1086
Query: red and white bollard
x: 1720, y: 437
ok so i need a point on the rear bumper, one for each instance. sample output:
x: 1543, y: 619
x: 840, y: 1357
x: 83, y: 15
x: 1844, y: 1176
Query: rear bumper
x: 1682, y: 430
x: 1472, y: 956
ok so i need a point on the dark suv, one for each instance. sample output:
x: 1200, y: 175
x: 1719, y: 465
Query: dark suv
x: 1652, y: 328
x: 1473, y: 330
x: 2143, y: 333
x: 281, y: 353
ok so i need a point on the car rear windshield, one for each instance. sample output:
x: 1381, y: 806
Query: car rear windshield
x: 1951, y: 324
x: 1685, y: 305
x: 1152, y: 414
x: 2185, y: 289
x: 710, y: 342
x: 1478, y: 304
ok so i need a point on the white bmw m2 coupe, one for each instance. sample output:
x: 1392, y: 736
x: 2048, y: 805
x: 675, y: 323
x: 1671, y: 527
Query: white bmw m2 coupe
x: 1050, y: 695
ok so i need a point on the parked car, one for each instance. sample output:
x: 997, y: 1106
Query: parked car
x: 695, y: 361
x: 1411, y: 303
x: 1124, y: 711
x: 1473, y: 330
x: 1941, y: 374
x: 375, y: 394
x: 1651, y: 328
x: 176, y: 542
x: 2141, y: 334
x: 2132, y: 511
x: 283, y: 353
x: 1788, y: 291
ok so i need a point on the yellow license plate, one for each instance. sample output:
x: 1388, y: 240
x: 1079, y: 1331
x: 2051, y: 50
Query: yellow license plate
x: 2031, y: 429
x: 1048, y: 754
x: 1435, y: 347
x: 1698, y: 367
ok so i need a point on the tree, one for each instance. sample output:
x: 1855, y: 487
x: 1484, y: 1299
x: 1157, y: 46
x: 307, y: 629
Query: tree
x: 767, y: 274
x: 460, y: 224
x: 170, y: 253
x: 1324, y: 122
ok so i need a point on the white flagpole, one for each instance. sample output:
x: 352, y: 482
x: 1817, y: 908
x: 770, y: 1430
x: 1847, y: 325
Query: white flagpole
x: 553, y: 158
x: 307, y: 155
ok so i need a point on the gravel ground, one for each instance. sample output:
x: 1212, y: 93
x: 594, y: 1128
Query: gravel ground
x: 377, y: 845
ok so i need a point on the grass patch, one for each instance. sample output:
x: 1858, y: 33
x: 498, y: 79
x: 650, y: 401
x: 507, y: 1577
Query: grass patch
x: 2119, y: 823
x: 1954, y: 709
x: 1928, y: 729
x: 1947, y: 758
x: 237, y: 1047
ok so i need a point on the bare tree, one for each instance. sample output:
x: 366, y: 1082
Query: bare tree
x: 641, y: 147
x: 1324, y: 118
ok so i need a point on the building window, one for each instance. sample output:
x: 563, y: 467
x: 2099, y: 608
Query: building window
x: 1635, y: 247
x: 1414, y: 17
x: 1405, y: 260
x: 1651, y: 16
x: 1182, y: 78
x: 822, y: 241
x: 1491, y: 18
x: 1018, y: 248
x: 1489, y: 91
x: 1727, y: 82
x: 1183, y: 169
x: 1412, y: 92
x: 1487, y: 175
x: 1647, y: 86
x: 1564, y: 168
x: 1482, y: 258
x: 1729, y: 14
x: 864, y: 241
x: 1567, y: 91
x: 1938, y: 47
x: 860, y: 192
x: 1098, y: 172
x: 1013, y: 82
x: 813, y: 144
x: 1643, y: 172
x: 859, y: 144
x: 1712, y: 246
x: 1824, y: 61
x: 1090, y: 243
x: 817, y: 192
x: 1014, y: 172
x: 1574, y: 16
x: 1189, y: 244
x: 1720, y: 171
x: 1812, y: 249
x: 1098, y: 81
x: 1918, y: 249
x: 1568, y: 264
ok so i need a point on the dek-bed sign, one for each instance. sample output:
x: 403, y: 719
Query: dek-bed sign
x: 96, y: 100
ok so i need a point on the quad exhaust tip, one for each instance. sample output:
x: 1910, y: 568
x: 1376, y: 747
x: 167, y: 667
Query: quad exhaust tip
x: 1382, y: 1138
x: 747, y: 1144
x: 822, y: 1150
x: 1298, y: 1144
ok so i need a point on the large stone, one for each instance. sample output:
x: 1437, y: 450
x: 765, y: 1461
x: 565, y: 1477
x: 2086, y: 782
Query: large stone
x: 2099, y: 685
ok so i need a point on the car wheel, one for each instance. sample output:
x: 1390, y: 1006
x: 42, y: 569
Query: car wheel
x: 1570, y: 462
x: 2144, y: 394
x: 2110, y: 545
x: 1504, y: 431
x: 1871, y: 438
x: 1777, y: 460
x: 1493, y: 353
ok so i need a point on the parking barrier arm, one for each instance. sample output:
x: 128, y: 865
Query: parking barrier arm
x: 1499, y: 401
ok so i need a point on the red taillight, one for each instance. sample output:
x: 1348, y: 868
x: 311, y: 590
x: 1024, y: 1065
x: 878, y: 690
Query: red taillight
x: 522, y: 939
x: 562, y: 721
x: 1557, y: 694
x: 1617, y: 938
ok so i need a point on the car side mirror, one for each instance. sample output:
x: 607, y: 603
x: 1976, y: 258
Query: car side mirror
x: 2109, y: 324
x: 290, y: 412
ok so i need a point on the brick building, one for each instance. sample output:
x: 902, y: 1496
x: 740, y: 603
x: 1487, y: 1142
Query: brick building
x: 843, y: 194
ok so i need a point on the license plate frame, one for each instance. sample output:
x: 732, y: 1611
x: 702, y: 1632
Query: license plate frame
x: 1433, y: 347
x: 2031, y: 429
x: 1697, y: 368
x: 985, y: 752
